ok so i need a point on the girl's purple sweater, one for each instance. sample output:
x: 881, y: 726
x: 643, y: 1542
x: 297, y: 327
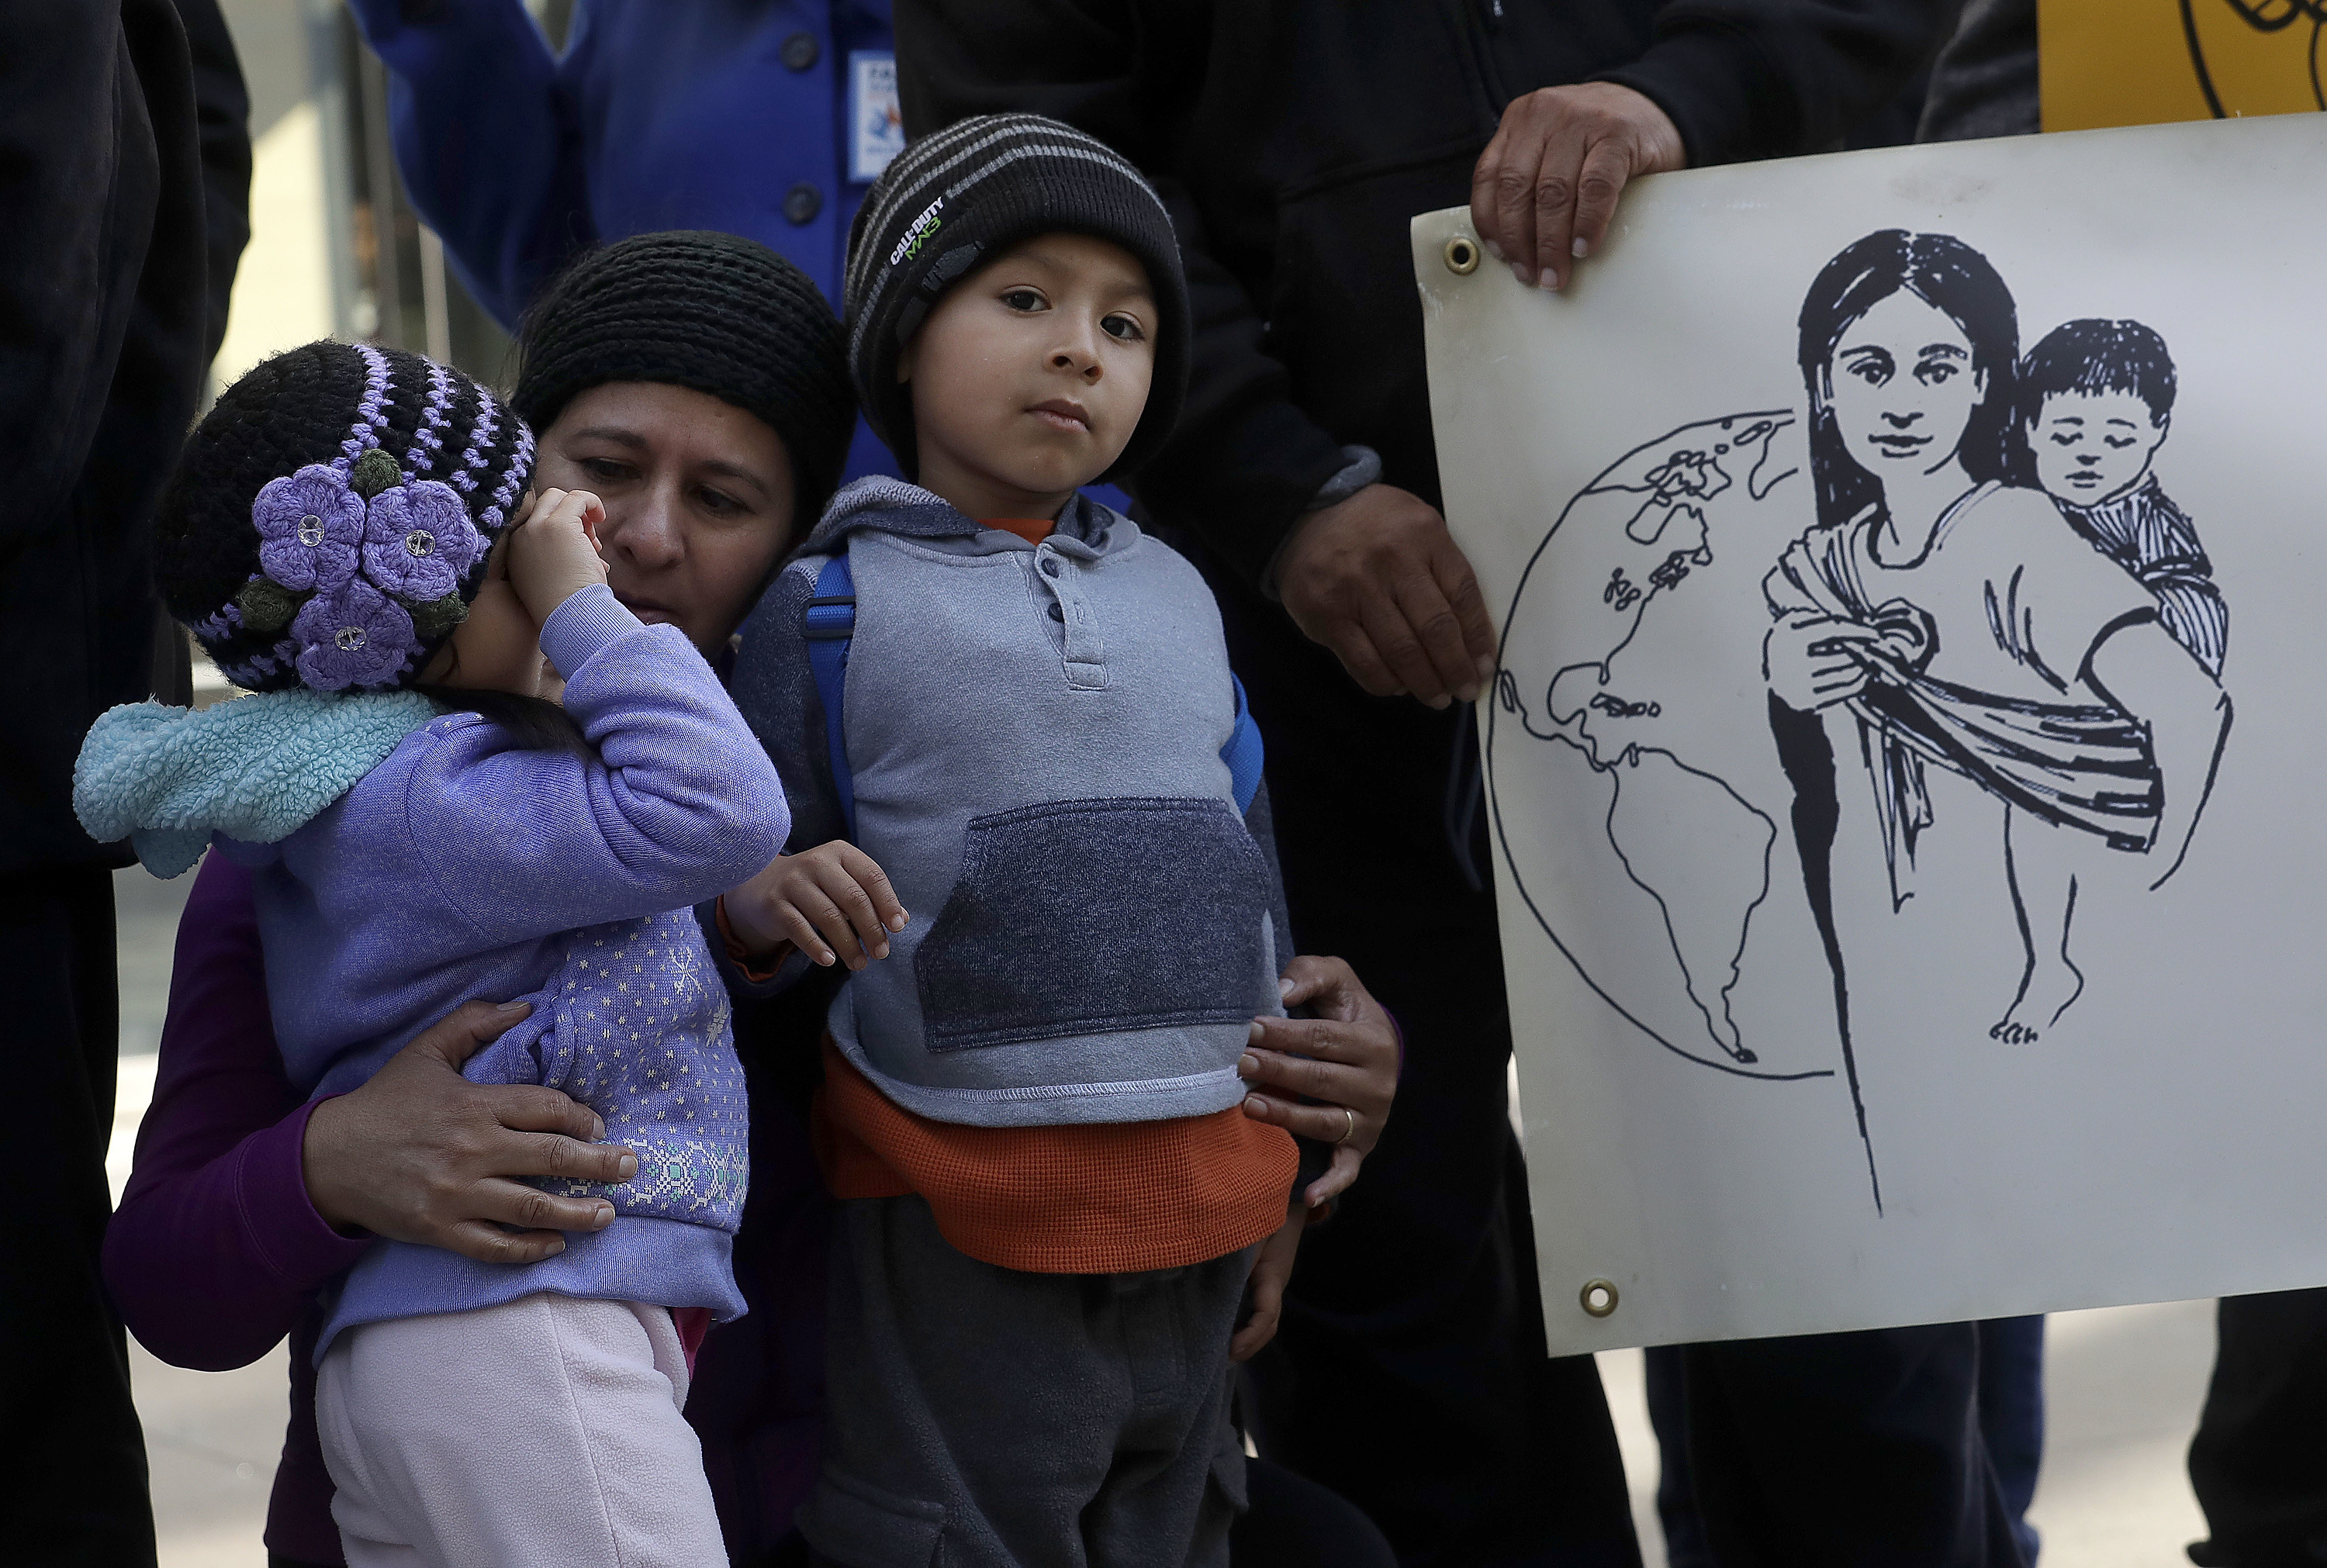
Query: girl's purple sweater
x: 466, y: 865
x: 216, y: 1252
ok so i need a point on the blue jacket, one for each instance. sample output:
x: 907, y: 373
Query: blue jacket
x: 709, y: 114
x: 730, y: 114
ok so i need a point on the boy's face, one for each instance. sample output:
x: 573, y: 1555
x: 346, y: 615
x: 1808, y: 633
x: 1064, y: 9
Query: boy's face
x: 1030, y: 376
x: 2093, y: 447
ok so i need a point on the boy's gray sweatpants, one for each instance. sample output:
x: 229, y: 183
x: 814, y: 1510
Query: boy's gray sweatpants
x: 980, y: 1417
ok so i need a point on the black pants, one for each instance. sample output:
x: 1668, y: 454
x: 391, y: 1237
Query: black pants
x: 1409, y: 1374
x: 1832, y: 1450
x: 2259, y: 1461
x: 1295, y: 1523
x: 1291, y: 1523
x: 72, y: 1486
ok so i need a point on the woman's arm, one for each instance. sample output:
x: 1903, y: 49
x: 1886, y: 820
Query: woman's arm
x: 2142, y: 669
x: 215, y: 1246
x: 218, y: 1243
x: 486, y: 139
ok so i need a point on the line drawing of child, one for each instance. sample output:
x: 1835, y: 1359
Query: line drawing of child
x: 1934, y: 602
x: 2096, y: 404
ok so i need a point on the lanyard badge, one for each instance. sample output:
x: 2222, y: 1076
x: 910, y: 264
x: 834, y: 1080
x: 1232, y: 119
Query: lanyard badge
x: 876, y: 122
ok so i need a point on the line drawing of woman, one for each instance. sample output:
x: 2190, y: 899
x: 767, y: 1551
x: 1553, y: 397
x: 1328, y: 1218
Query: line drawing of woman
x: 1960, y: 623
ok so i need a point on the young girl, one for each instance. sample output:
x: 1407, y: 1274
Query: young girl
x: 423, y: 827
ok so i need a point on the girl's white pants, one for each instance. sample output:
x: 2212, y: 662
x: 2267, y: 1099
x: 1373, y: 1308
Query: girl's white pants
x: 546, y: 1431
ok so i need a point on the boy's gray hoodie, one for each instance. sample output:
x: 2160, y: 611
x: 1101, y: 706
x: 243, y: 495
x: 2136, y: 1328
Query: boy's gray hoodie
x: 1035, y: 735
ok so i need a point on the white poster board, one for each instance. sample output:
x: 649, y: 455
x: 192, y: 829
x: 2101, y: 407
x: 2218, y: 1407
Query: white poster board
x: 1988, y: 1068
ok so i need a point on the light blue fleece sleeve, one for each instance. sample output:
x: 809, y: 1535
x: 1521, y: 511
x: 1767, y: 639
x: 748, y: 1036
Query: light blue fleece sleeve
x: 678, y: 805
x: 487, y: 140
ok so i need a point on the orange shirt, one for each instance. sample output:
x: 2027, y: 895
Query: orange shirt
x: 1114, y: 1198
x: 1034, y: 530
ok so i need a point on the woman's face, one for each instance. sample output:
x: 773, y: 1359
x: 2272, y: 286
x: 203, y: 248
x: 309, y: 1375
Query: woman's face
x: 1901, y: 386
x: 699, y: 499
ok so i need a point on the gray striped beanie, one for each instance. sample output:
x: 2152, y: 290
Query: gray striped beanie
x: 958, y: 197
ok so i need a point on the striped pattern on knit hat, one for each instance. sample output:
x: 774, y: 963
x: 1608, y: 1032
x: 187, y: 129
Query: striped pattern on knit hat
x: 331, y: 516
x: 962, y: 195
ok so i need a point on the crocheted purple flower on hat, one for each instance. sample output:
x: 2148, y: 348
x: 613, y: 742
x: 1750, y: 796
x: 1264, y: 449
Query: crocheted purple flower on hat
x: 351, y: 634
x: 310, y: 526
x: 418, y: 541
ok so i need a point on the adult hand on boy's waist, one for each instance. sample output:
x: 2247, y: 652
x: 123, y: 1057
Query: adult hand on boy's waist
x: 1344, y: 1061
x: 1377, y: 579
x: 421, y: 1155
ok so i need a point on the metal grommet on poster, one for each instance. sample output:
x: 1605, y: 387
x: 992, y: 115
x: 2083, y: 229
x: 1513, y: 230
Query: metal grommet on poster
x: 1598, y: 1297
x: 1461, y: 256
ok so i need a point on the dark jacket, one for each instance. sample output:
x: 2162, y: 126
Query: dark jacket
x: 106, y: 323
x: 1292, y: 140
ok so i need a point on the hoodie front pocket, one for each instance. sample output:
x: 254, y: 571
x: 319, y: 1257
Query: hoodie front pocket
x: 1089, y: 917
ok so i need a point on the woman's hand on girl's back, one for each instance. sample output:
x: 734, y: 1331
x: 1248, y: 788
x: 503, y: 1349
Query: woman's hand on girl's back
x: 1346, y: 1059
x: 421, y: 1155
x: 554, y: 550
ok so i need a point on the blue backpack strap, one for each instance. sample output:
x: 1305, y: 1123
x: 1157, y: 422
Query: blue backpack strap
x: 1242, y: 753
x: 829, y: 624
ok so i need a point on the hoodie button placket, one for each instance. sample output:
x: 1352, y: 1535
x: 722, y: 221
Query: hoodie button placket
x: 1085, y: 654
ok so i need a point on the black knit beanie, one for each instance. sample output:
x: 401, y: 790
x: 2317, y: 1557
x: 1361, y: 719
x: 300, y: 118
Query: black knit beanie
x: 969, y: 192
x: 329, y: 522
x: 713, y: 312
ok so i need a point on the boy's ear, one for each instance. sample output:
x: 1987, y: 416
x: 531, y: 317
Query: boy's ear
x: 905, y: 358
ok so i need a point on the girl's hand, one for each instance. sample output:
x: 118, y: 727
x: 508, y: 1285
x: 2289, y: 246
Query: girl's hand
x: 1345, y: 1057
x: 830, y: 902
x: 1809, y: 662
x: 552, y: 553
x: 421, y: 1155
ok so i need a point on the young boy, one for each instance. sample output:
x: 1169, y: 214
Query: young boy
x: 998, y: 703
x: 2097, y: 397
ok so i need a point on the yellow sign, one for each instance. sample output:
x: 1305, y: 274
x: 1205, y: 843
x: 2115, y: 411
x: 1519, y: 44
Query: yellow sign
x: 2136, y: 62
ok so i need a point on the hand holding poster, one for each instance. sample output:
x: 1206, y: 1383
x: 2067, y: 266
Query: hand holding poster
x: 1903, y: 760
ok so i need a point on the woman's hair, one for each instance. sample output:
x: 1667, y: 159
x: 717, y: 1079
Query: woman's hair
x: 1945, y: 273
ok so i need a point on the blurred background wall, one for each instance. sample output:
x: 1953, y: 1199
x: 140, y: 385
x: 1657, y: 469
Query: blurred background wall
x: 335, y: 249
